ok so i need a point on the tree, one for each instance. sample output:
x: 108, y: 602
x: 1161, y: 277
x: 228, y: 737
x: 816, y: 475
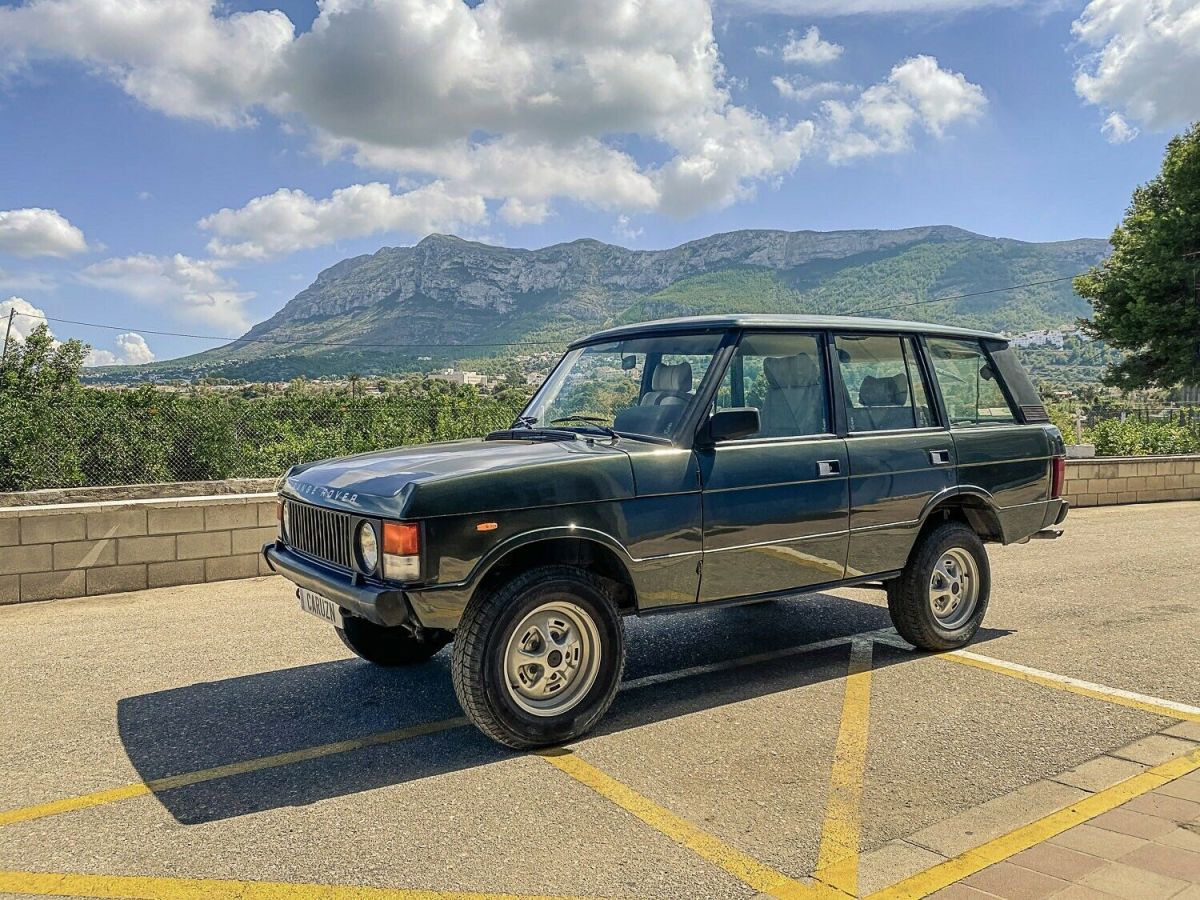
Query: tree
x: 1144, y: 296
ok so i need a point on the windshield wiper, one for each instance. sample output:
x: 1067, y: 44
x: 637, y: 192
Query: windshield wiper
x: 524, y: 422
x: 593, y: 421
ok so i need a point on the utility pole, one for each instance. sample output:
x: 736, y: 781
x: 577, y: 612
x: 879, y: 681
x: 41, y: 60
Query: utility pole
x: 8, y: 333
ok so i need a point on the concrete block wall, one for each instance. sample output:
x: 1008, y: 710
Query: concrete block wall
x: 78, y: 549
x: 1132, y: 479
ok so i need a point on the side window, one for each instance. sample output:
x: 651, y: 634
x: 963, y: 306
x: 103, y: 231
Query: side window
x: 885, y: 389
x: 969, y: 386
x: 783, y: 377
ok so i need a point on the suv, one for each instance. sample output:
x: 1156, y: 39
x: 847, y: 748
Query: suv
x: 675, y: 465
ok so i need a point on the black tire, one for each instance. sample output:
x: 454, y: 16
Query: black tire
x: 481, y: 642
x: 908, y: 595
x: 390, y: 646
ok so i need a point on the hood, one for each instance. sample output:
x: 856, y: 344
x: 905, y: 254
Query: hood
x: 463, y: 477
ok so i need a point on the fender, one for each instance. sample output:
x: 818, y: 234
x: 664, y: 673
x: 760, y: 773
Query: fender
x: 488, y: 561
x: 964, y: 490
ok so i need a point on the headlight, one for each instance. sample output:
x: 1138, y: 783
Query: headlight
x: 368, y: 547
x: 285, y: 520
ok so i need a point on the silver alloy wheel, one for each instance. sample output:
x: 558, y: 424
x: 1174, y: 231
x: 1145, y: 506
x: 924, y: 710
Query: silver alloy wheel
x: 552, y: 658
x: 954, y: 588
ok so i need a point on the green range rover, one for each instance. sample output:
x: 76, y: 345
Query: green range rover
x: 668, y: 466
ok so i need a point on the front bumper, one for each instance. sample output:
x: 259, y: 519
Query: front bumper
x: 381, y: 605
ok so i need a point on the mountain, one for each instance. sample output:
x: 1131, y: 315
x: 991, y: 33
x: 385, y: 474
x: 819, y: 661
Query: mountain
x: 402, y: 303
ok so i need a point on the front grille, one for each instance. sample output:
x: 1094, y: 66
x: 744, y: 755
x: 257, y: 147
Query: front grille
x: 320, y: 533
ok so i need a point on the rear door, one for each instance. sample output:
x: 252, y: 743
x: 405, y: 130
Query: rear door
x: 900, y: 456
x: 776, y: 504
x: 1007, y: 460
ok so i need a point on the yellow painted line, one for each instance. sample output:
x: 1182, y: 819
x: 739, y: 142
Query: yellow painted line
x: 741, y: 866
x: 1001, y: 848
x: 140, y: 887
x: 139, y: 789
x: 837, y: 860
x: 258, y: 764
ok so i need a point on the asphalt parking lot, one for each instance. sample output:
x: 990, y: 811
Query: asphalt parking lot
x: 212, y: 740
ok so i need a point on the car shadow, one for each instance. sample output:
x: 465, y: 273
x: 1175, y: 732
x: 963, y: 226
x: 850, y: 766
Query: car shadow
x: 674, y: 668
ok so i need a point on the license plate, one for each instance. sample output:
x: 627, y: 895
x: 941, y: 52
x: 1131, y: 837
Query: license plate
x: 321, y: 607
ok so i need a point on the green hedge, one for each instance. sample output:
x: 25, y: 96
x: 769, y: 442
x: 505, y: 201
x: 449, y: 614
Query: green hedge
x: 1133, y: 437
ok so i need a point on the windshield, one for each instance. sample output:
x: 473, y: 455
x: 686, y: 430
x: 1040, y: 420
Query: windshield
x: 640, y: 386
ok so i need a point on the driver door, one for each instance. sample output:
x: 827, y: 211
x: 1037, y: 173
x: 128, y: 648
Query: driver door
x: 776, y: 504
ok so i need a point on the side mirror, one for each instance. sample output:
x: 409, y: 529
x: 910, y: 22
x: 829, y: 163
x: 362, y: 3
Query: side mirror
x: 731, y: 424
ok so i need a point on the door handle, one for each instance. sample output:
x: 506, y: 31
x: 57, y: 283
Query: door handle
x: 827, y: 467
x: 939, y: 457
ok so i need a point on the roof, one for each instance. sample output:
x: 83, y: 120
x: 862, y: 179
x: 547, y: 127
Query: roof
x: 778, y: 322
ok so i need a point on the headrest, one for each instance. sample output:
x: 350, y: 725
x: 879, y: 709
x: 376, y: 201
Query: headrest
x: 676, y: 378
x: 797, y: 371
x: 884, y: 391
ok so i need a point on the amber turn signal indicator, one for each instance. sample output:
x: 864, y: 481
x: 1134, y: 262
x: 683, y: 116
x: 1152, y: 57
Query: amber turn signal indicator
x: 401, y: 538
x: 486, y: 526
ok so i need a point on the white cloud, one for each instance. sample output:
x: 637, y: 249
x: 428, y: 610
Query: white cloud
x: 800, y: 90
x: 1143, y: 61
x: 28, y: 318
x: 191, y: 288
x: 917, y: 93
x: 96, y: 358
x: 623, y: 228
x: 810, y: 49
x: 509, y: 103
x: 134, y: 349
x: 289, y: 220
x: 38, y: 232
x: 828, y: 8
x: 175, y: 56
x: 515, y: 101
x: 1116, y: 130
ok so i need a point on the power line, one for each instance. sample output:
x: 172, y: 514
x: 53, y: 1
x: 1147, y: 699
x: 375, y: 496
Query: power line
x: 367, y: 346
x: 243, y: 340
x: 1011, y: 287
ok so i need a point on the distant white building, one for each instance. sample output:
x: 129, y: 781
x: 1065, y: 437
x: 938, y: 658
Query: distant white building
x: 460, y: 377
x: 1044, y: 338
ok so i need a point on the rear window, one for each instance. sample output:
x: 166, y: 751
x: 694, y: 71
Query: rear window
x: 970, y: 386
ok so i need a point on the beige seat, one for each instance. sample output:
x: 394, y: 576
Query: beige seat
x: 669, y: 385
x: 795, y: 401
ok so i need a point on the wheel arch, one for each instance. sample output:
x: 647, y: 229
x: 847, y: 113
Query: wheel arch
x: 592, y: 551
x: 972, y: 506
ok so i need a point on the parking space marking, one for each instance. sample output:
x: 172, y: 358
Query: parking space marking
x: 837, y: 859
x: 1154, y: 705
x: 140, y: 789
x: 742, y: 866
x: 971, y: 861
x: 258, y: 764
x: 143, y: 887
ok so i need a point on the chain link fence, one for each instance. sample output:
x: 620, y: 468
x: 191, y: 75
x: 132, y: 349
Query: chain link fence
x: 94, y: 438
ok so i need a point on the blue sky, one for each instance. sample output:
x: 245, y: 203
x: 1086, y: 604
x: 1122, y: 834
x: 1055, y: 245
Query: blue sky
x: 526, y: 122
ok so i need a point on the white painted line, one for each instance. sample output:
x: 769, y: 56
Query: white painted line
x: 892, y: 639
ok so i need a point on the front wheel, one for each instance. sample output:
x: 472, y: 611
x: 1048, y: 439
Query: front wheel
x: 390, y: 646
x: 538, y: 661
x: 939, y: 601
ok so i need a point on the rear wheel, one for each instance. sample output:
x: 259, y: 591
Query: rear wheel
x: 390, y: 646
x: 539, y: 659
x: 939, y: 601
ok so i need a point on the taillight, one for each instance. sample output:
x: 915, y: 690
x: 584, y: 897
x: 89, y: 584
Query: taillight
x: 1058, y: 477
x: 401, y: 551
